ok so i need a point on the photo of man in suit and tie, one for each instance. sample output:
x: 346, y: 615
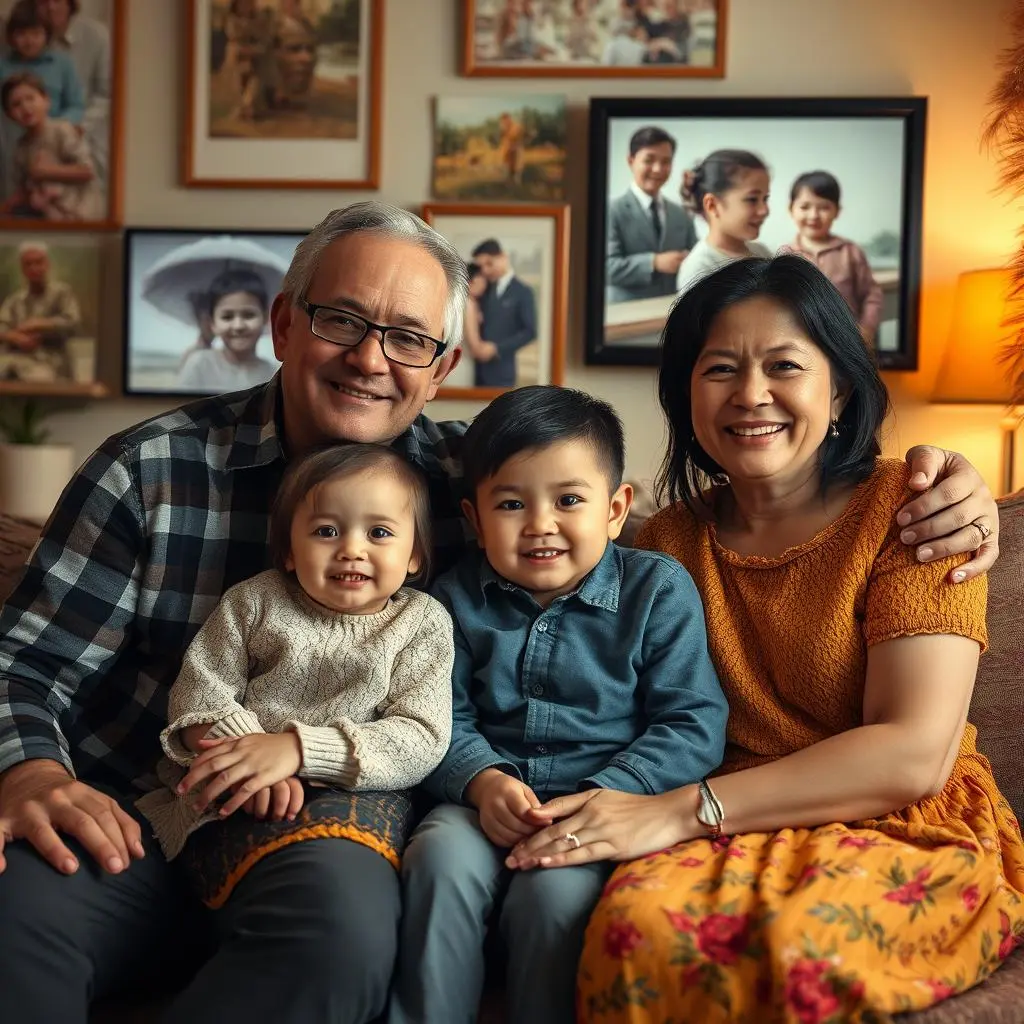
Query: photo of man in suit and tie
x: 648, y: 236
x: 507, y: 318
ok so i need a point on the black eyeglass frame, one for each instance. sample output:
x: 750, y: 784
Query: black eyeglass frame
x: 311, y: 309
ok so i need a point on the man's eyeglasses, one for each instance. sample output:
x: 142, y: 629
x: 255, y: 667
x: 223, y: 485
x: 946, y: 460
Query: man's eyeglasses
x: 399, y: 344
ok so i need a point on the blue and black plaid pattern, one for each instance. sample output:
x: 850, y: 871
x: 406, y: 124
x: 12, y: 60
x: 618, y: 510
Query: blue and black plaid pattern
x: 155, y: 526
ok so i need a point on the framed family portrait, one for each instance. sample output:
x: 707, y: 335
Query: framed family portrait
x: 517, y: 258
x: 283, y: 93
x: 61, y: 87
x: 50, y: 288
x: 836, y: 180
x: 593, y: 38
x: 498, y: 148
x: 197, y: 308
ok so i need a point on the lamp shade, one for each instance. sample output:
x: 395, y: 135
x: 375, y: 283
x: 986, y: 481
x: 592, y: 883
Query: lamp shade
x: 973, y: 369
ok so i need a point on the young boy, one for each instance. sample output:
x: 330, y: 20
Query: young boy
x: 577, y: 664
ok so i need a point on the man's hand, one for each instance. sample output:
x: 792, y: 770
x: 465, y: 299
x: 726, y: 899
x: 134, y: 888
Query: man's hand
x: 281, y: 800
x: 244, y: 765
x: 503, y: 803
x: 668, y: 262
x: 484, y: 351
x: 22, y: 339
x: 955, y: 516
x: 38, y: 800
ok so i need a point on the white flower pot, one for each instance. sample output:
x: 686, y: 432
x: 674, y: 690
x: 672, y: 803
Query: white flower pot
x: 32, y: 477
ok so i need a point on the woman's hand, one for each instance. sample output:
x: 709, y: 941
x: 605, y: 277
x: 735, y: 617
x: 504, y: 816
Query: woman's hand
x: 608, y: 824
x: 957, y: 515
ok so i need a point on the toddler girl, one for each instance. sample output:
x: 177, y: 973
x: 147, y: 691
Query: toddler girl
x: 238, y: 308
x: 729, y: 189
x: 814, y: 206
x: 323, y: 671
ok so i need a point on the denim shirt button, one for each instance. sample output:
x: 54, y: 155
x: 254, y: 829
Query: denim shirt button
x: 541, y: 749
x: 537, y: 690
x: 542, y: 626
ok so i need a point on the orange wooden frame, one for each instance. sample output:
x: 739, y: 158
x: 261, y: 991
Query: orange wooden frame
x: 508, y: 69
x: 559, y: 213
x: 374, y: 82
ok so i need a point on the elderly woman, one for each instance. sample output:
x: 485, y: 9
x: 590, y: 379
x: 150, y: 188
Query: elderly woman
x: 853, y: 857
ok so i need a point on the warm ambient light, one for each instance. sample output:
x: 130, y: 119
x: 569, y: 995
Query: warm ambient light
x: 974, y: 369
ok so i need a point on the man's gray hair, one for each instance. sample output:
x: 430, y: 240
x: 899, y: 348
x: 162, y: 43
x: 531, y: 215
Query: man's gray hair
x: 33, y: 245
x: 391, y: 222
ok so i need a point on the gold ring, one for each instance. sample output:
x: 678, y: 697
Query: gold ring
x: 571, y: 837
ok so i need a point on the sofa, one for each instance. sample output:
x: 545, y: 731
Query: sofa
x: 997, y: 710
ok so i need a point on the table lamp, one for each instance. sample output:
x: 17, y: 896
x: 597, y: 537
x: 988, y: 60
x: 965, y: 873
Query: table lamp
x: 977, y: 367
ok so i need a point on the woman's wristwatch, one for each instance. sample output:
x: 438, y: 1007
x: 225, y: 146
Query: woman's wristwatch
x: 710, y: 812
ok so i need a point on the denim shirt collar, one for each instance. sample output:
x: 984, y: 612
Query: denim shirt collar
x: 600, y: 587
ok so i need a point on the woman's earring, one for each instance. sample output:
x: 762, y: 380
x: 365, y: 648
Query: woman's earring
x: 834, y: 429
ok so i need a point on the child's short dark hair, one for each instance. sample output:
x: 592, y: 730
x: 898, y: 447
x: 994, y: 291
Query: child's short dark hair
x: 539, y: 416
x: 238, y: 279
x: 339, y: 460
x: 25, y: 15
x: 11, y: 82
x: 473, y: 270
x: 819, y: 183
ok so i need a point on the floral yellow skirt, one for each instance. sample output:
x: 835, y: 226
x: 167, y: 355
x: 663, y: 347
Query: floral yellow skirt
x: 813, y: 926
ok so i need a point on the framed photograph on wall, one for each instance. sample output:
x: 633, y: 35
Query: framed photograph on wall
x: 197, y: 307
x: 61, y: 86
x: 519, y: 278
x: 859, y: 160
x: 595, y: 38
x: 283, y: 95
x: 50, y: 312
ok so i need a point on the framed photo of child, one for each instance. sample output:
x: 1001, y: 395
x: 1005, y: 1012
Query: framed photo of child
x: 197, y: 308
x: 595, y: 38
x: 680, y: 187
x: 61, y: 91
x: 518, y: 262
x: 283, y: 93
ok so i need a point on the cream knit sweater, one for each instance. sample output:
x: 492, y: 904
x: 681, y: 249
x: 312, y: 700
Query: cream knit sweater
x: 369, y: 696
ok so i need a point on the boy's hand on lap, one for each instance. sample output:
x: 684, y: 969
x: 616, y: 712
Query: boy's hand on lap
x: 504, y: 804
x: 283, y: 799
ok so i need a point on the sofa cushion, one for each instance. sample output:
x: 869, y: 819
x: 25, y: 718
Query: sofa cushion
x: 16, y: 540
x: 1000, y: 1000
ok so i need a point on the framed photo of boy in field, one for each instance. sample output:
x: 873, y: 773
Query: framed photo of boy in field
x: 678, y: 187
x: 283, y: 93
x: 61, y: 75
x: 514, y: 330
x: 498, y: 148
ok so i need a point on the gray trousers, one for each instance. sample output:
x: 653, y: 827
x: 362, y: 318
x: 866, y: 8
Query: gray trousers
x: 308, y: 935
x: 452, y: 878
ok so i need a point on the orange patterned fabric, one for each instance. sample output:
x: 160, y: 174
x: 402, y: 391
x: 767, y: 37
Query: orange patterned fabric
x: 841, y: 922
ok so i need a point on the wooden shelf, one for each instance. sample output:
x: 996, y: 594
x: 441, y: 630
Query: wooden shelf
x: 53, y: 389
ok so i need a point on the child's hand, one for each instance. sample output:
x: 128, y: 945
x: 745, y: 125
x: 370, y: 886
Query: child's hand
x: 503, y: 803
x: 281, y: 800
x: 244, y: 765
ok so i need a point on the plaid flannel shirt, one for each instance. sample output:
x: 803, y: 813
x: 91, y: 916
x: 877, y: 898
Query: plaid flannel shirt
x: 157, y: 524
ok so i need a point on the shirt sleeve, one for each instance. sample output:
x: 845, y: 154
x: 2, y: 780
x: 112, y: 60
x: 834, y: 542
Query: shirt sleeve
x: 64, y: 626
x: 683, y: 702
x: 72, y: 97
x: 868, y: 290
x: 7, y: 314
x: 407, y: 742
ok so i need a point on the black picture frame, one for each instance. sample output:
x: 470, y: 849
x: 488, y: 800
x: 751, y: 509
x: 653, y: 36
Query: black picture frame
x: 851, y: 133
x: 156, y: 340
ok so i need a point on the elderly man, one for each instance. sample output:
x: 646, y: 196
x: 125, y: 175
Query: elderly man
x: 156, y: 525
x: 36, y: 320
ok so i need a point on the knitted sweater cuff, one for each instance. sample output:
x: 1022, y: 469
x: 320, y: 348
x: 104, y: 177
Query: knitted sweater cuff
x: 235, y: 723
x: 327, y: 755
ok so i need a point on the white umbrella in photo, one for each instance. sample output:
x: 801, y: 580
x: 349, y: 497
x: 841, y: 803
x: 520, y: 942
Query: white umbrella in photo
x: 178, y: 281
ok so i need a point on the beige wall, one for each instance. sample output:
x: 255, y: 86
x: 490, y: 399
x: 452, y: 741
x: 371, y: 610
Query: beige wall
x: 942, y: 49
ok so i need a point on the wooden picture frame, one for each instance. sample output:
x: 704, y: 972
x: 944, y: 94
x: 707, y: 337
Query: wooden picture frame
x: 257, y: 114
x: 84, y: 127
x: 563, y: 42
x: 872, y: 146
x: 534, y: 244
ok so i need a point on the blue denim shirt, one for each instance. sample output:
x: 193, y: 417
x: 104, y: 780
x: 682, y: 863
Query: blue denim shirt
x: 611, y: 685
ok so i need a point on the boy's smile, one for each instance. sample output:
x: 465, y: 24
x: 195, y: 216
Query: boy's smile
x: 545, y: 518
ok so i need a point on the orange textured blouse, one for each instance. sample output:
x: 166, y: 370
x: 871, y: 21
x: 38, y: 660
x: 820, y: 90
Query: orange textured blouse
x: 789, y: 634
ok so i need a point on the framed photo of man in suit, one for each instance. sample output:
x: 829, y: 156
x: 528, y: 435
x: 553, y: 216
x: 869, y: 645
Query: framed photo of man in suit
x: 514, y: 329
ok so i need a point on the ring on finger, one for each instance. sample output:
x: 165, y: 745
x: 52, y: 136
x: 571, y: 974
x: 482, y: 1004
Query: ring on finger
x: 984, y: 530
x: 572, y: 839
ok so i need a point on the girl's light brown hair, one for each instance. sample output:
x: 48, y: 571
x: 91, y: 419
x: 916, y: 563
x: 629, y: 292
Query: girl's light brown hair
x: 341, y: 460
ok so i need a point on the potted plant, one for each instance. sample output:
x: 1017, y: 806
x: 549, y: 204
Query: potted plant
x: 32, y: 472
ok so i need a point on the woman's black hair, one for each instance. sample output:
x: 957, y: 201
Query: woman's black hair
x: 538, y: 416
x: 818, y: 183
x: 716, y: 174
x: 798, y: 285
x: 237, y: 279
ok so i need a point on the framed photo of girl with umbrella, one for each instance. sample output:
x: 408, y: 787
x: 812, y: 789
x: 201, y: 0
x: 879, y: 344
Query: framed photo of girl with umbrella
x: 198, y: 307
